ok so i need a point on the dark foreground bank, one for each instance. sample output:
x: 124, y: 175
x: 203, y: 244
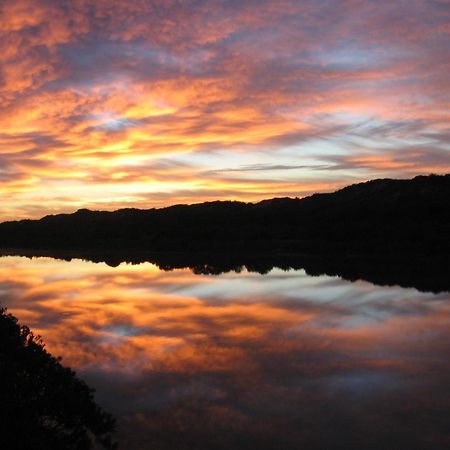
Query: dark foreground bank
x: 43, y: 404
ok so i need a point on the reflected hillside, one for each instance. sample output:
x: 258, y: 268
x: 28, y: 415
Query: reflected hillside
x: 425, y: 273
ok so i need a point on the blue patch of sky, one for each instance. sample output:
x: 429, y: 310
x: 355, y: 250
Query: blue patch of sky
x: 110, y: 61
x: 111, y: 123
x: 353, y: 55
x: 124, y: 330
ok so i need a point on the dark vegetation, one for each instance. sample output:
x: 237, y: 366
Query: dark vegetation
x: 388, y: 232
x: 378, y: 217
x: 42, y: 404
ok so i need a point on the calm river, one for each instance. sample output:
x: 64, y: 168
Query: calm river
x: 243, y: 360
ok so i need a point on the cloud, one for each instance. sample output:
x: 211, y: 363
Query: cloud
x: 92, y: 89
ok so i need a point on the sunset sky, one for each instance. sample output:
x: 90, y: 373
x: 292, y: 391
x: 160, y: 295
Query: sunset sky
x: 107, y: 104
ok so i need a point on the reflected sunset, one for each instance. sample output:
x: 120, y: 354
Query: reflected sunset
x: 174, y: 355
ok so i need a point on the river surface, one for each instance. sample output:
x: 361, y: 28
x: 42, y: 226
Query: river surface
x: 243, y: 360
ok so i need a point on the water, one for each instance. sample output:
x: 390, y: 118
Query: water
x: 243, y: 360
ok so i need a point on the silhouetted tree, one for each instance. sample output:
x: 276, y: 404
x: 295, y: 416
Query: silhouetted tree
x: 43, y: 406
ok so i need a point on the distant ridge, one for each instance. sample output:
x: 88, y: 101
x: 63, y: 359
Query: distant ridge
x: 383, y: 216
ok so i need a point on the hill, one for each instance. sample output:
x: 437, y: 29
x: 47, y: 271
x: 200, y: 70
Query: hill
x: 383, y: 216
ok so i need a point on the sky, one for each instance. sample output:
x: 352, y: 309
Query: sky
x: 109, y: 104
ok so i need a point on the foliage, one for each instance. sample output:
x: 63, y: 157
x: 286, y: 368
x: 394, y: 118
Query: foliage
x: 43, y: 404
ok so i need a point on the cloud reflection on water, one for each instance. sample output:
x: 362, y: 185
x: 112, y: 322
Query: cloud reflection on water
x: 244, y: 360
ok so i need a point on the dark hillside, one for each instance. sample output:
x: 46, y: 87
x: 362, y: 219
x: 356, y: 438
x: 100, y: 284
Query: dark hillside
x: 381, y: 216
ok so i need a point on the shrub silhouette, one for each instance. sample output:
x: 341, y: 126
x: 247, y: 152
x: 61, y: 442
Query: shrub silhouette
x: 43, y: 404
